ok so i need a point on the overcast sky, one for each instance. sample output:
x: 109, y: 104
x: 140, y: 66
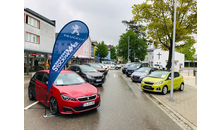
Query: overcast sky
x: 103, y: 17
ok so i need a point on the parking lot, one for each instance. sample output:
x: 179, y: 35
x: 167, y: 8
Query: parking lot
x: 123, y: 106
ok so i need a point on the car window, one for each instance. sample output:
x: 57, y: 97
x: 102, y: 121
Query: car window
x: 95, y: 66
x: 143, y: 69
x: 77, y: 69
x: 45, y: 77
x: 176, y: 74
x: 65, y: 79
x: 88, y: 69
x: 72, y: 68
x: 135, y: 66
x: 159, y: 74
x: 39, y: 76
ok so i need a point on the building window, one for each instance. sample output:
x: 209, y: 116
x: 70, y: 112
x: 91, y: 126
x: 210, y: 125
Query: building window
x: 33, y: 22
x: 32, y: 38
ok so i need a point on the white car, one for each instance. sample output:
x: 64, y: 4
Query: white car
x: 117, y: 66
x: 109, y: 64
x: 160, y: 67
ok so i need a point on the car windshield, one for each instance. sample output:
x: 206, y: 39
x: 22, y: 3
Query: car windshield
x: 101, y: 65
x: 135, y: 66
x: 143, y: 69
x: 128, y: 64
x: 159, y: 74
x: 95, y: 65
x: 88, y: 69
x: 65, y: 79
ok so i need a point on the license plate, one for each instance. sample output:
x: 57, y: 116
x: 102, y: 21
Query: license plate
x: 98, y: 80
x: 88, y: 104
x: 129, y: 72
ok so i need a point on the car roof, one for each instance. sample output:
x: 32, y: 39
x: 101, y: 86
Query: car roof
x: 62, y: 71
x: 166, y: 70
x: 79, y: 65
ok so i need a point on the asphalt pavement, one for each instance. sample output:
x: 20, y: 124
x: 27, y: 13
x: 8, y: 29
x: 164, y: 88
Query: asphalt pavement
x: 123, y: 107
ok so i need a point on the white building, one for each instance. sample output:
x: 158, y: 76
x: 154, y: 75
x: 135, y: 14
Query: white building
x: 39, y: 38
x: 158, y: 56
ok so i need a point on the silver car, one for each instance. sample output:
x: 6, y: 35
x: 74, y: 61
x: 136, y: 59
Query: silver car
x: 141, y: 73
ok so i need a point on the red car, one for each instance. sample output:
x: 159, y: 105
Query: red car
x: 69, y: 93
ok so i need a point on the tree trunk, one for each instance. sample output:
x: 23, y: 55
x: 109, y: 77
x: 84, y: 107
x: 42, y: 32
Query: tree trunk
x: 170, y: 56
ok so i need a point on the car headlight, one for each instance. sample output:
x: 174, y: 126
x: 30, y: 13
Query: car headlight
x: 90, y: 77
x: 159, y: 82
x: 66, y: 98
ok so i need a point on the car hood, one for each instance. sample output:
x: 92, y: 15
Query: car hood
x: 151, y: 79
x: 132, y: 68
x: 78, y: 90
x: 94, y: 74
x: 125, y: 67
x: 140, y: 73
x: 100, y: 69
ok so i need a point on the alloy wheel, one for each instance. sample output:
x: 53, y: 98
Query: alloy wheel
x: 53, y: 106
x: 164, y: 91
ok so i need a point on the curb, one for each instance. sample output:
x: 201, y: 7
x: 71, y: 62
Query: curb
x: 181, y: 121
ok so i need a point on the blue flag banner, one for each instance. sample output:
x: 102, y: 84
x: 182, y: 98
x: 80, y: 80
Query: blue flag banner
x: 68, y: 41
x: 98, y: 58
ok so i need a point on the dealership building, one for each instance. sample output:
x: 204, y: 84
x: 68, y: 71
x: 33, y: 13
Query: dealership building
x: 39, y: 38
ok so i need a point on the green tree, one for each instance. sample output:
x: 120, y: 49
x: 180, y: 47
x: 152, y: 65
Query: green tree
x: 188, y: 49
x: 159, y: 18
x: 135, y: 27
x: 113, y: 53
x: 138, y: 46
x: 102, y: 50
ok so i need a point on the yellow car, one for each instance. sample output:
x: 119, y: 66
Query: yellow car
x: 160, y: 81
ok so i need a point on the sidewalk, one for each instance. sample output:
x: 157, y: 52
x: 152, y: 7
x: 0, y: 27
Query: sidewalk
x: 183, y: 108
x: 185, y: 102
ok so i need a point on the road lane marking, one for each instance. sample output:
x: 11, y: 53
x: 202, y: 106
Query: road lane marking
x: 30, y: 105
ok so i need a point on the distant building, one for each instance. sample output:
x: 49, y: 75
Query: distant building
x: 108, y: 57
x: 39, y: 38
x: 158, y: 56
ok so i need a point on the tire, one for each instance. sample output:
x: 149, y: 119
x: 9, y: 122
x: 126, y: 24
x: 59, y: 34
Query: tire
x: 116, y: 68
x: 54, y: 106
x: 164, y: 90
x: 30, y: 94
x: 181, y: 87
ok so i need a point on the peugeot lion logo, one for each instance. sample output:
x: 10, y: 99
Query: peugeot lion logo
x: 76, y: 29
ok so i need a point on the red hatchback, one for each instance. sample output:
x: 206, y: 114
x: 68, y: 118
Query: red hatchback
x: 69, y: 94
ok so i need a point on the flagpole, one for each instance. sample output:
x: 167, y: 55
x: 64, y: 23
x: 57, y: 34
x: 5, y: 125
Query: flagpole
x: 46, y: 106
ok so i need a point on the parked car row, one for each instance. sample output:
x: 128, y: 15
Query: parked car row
x: 72, y: 91
x: 153, y: 79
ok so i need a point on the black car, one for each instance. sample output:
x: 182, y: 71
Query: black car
x: 90, y: 74
x: 125, y: 67
x: 98, y: 67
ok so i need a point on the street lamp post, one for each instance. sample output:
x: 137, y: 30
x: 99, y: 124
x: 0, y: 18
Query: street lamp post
x: 128, y: 48
x: 173, y: 53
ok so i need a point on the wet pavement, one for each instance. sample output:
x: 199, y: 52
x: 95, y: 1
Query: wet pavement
x: 123, y: 107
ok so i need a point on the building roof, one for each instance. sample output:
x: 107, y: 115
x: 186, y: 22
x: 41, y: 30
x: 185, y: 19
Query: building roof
x: 152, y: 49
x: 109, y: 46
x: 52, y: 22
